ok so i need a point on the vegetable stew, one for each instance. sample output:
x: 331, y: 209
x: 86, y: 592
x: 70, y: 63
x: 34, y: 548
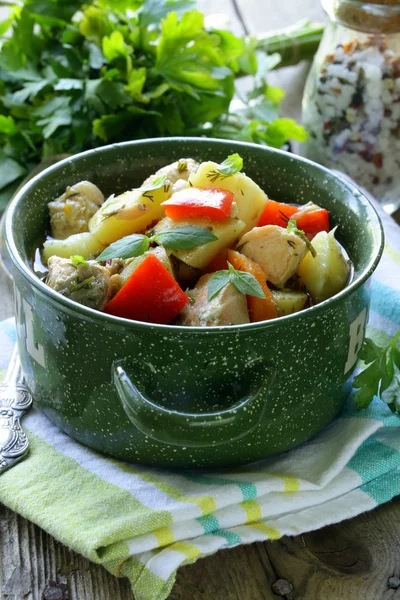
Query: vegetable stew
x: 197, y: 244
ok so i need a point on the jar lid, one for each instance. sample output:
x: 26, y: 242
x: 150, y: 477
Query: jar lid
x: 373, y: 16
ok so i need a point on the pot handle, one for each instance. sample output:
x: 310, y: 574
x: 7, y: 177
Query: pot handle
x: 192, y: 429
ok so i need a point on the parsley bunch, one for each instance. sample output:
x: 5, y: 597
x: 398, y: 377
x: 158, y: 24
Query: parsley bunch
x: 75, y: 75
x: 381, y: 376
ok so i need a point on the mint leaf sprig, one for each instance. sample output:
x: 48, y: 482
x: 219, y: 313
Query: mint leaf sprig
x: 232, y: 164
x: 381, y: 376
x: 180, y: 238
x: 246, y: 283
x: 78, y: 261
x: 292, y: 228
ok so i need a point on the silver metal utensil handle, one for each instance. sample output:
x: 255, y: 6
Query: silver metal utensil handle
x: 15, y: 400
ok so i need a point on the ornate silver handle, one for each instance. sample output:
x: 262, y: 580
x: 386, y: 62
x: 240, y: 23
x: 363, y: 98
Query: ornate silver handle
x: 15, y: 400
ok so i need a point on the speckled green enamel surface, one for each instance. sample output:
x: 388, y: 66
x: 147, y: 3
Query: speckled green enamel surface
x: 188, y: 397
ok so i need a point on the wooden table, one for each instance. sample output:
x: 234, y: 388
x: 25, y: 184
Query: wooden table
x: 355, y: 560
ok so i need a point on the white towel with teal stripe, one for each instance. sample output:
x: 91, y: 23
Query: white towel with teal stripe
x: 145, y: 523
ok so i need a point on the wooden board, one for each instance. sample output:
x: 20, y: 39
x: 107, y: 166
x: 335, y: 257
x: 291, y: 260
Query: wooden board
x: 354, y: 560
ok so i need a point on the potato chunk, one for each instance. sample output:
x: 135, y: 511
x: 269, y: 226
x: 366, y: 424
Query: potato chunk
x: 227, y: 232
x: 228, y: 307
x: 327, y: 273
x: 83, y: 244
x: 289, y: 301
x: 249, y: 197
x: 277, y: 251
x: 131, y: 212
x: 70, y: 213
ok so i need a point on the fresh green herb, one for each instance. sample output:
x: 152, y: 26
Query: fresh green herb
x: 381, y: 376
x: 156, y: 184
x: 180, y: 238
x: 184, y: 238
x: 127, y: 247
x: 75, y: 75
x: 84, y: 283
x: 231, y: 165
x: 292, y: 228
x: 246, y: 283
x: 182, y: 165
x: 78, y: 261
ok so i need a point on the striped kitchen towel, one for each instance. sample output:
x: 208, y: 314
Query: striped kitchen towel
x: 144, y: 523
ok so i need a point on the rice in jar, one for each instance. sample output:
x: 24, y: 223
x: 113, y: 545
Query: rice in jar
x: 351, y: 104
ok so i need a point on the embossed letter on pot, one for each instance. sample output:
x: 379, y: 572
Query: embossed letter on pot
x: 190, y: 302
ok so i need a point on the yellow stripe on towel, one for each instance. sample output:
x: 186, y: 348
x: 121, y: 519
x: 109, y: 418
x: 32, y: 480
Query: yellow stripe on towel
x: 395, y: 256
x: 253, y: 510
x: 186, y: 549
x: 291, y: 484
x: 165, y: 536
x: 270, y: 532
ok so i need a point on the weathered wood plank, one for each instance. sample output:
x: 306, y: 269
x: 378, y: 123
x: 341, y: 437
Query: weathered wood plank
x: 243, y: 573
x: 356, y: 559
x: 33, y: 566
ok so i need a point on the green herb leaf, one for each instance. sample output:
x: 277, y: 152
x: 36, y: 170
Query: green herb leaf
x: 231, y: 165
x: 245, y: 283
x: 155, y: 184
x: 78, y: 261
x: 127, y: 247
x: 184, y: 238
x: 10, y: 170
x: 77, y: 286
x: 218, y: 281
x: 7, y: 125
x: 292, y: 228
x: 381, y: 376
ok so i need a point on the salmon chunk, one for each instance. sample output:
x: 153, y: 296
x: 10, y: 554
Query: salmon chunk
x: 278, y: 252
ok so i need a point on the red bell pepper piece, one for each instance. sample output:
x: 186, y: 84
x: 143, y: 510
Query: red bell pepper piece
x: 213, y: 203
x: 277, y: 213
x: 151, y: 294
x: 312, y: 220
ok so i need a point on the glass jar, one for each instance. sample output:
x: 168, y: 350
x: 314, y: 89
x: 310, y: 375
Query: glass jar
x: 351, y: 104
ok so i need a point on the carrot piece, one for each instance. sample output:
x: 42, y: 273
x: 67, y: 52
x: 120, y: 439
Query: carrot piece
x: 218, y: 263
x: 277, y: 213
x: 260, y: 309
x: 151, y: 294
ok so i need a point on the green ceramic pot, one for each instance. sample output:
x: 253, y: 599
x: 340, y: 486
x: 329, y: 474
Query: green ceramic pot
x: 190, y: 397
